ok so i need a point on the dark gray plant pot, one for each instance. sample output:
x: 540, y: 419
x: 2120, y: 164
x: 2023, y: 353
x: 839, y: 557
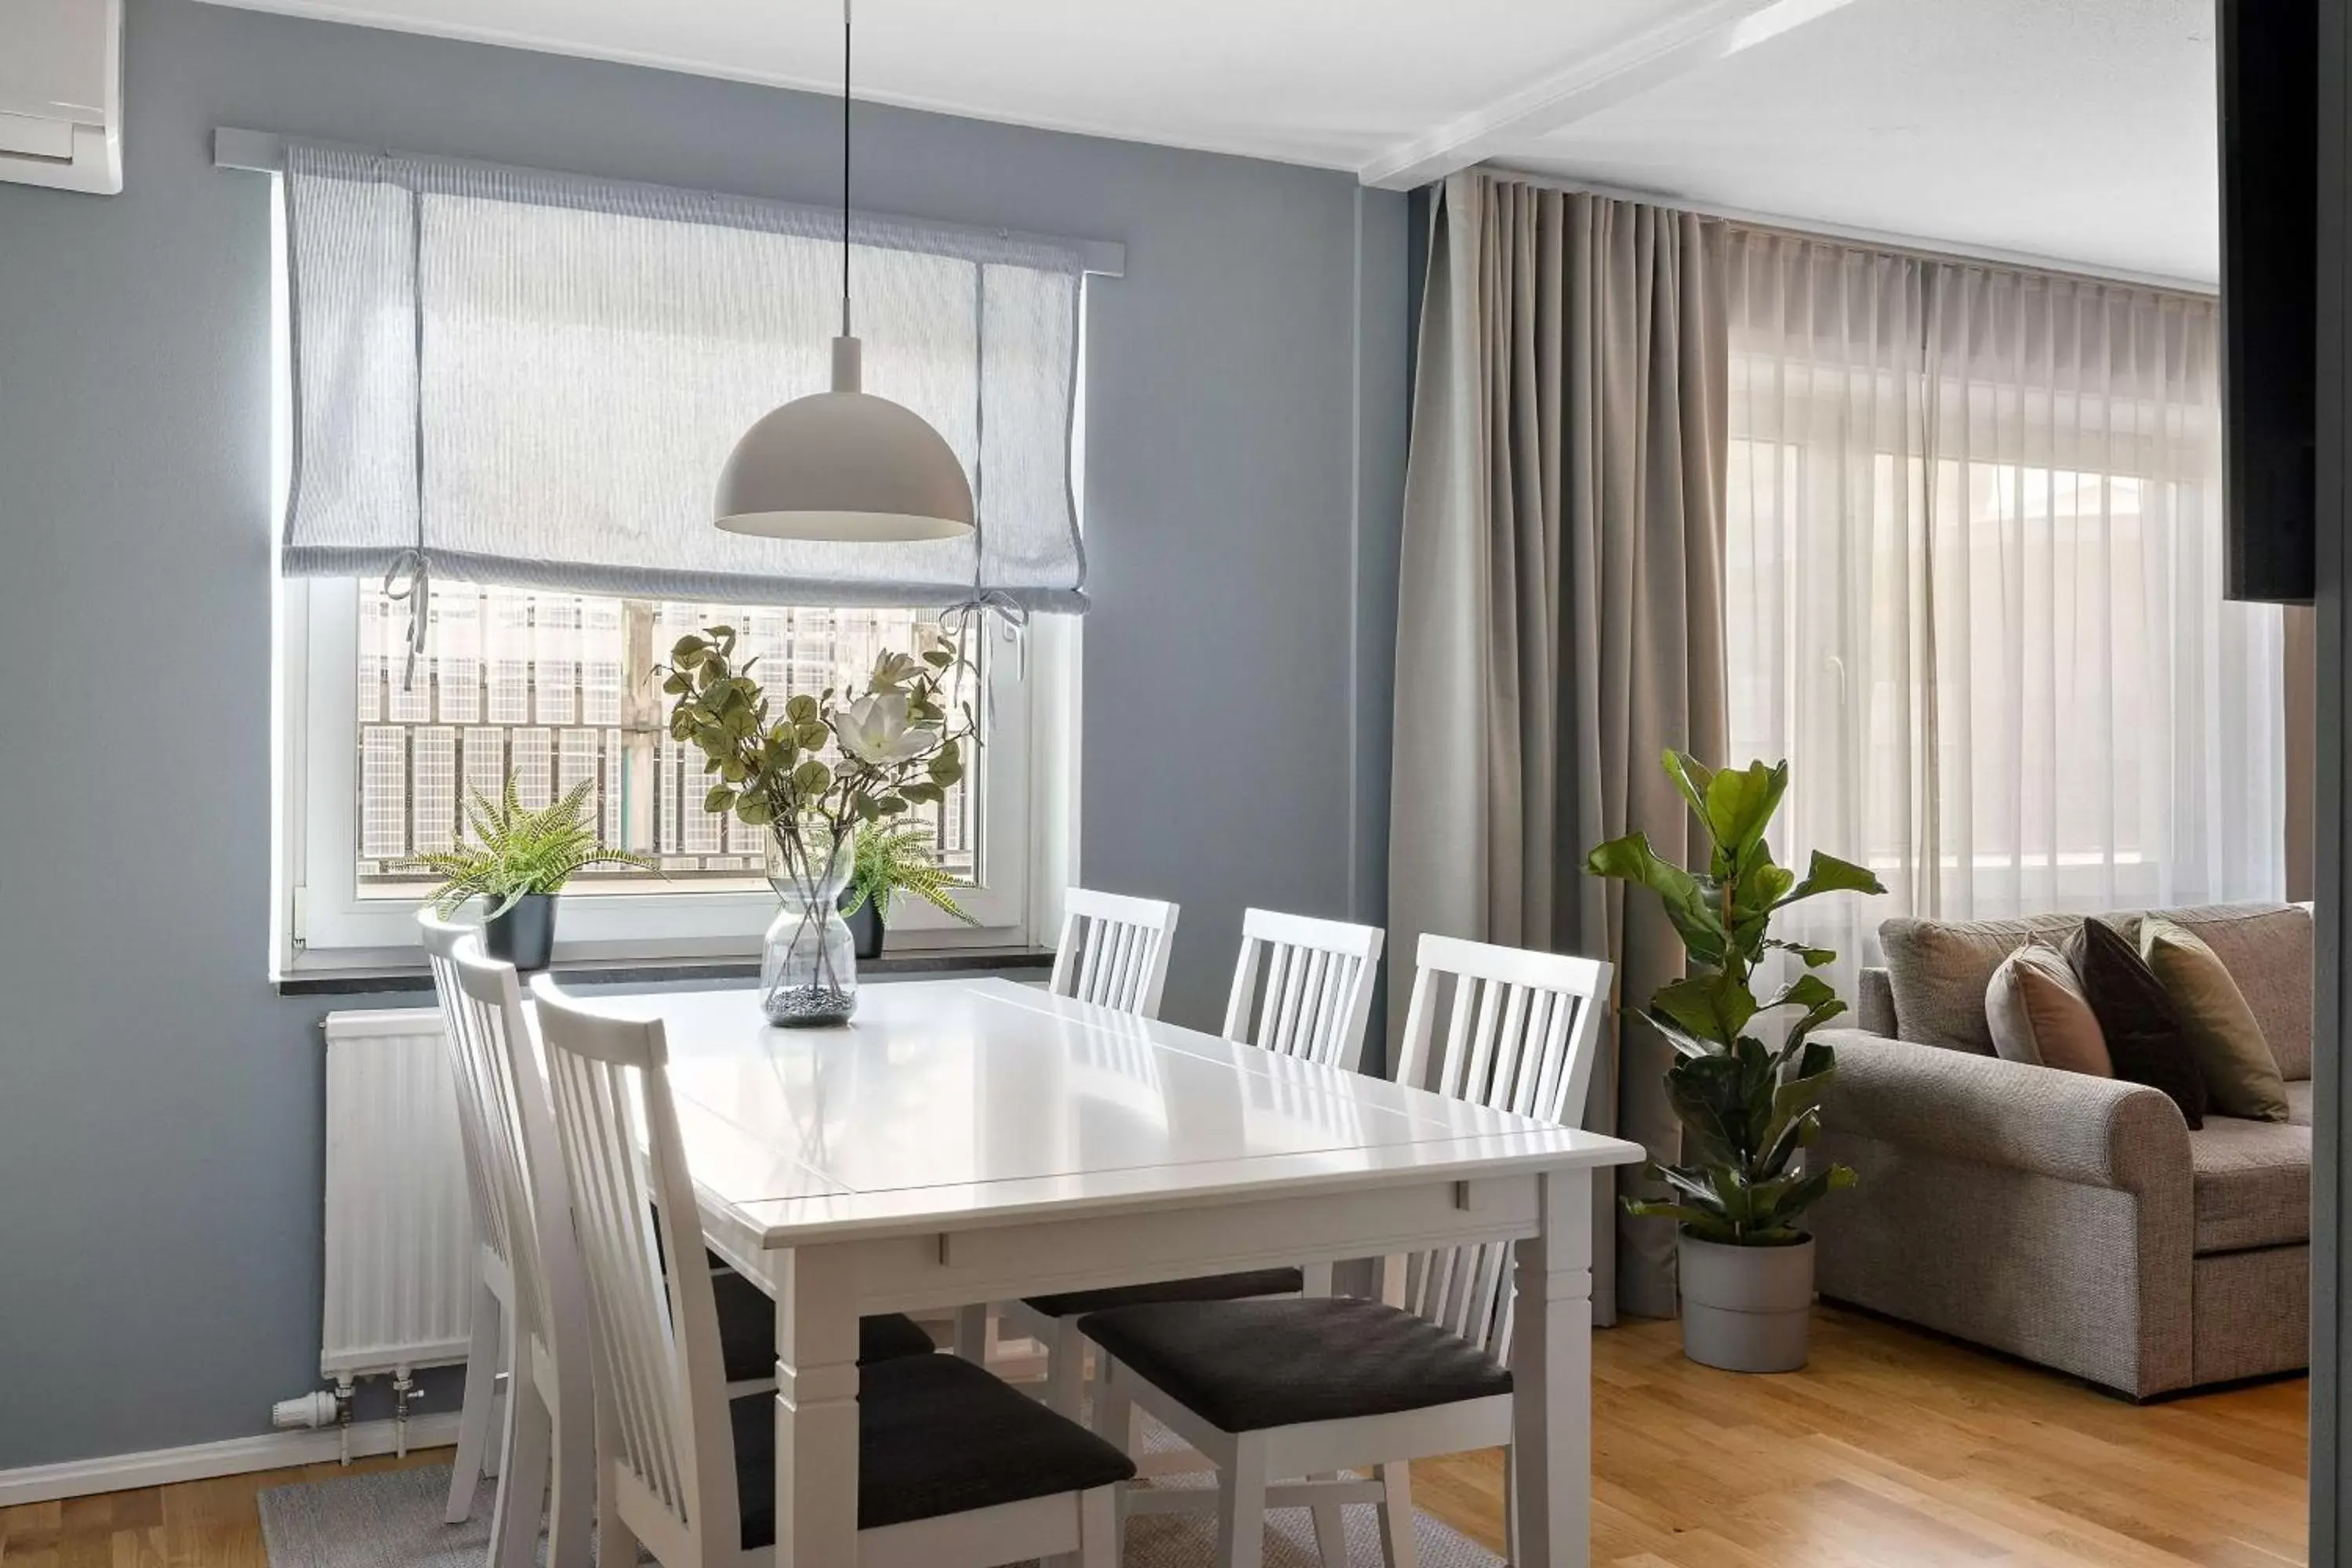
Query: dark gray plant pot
x: 525, y: 935
x: 867, y: 928
x: 1746, y: 1309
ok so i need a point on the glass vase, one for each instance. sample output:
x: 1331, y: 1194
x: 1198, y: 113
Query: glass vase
x: 808, y: 968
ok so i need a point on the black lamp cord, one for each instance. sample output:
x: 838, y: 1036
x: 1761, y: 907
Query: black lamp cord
x: 844, y: 168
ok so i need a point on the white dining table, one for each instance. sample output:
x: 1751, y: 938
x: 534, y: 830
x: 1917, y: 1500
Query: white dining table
x: 974, y: 1140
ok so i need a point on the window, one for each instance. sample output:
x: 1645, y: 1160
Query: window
x: 1973, y: 591
x: 376, y: 767
x: 2074, y: 646
x: 539, y: 684
x: 567, y: 431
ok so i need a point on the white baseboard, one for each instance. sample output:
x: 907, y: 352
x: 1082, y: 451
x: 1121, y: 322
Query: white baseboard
x: 202, y: 1461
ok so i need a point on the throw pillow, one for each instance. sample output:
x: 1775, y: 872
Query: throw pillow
x: 2146, y: 1041
x: 2242, y: 1078
x: 2037, y: 1013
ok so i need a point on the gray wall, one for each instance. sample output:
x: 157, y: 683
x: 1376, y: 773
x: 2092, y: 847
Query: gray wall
x: 160, y: 1108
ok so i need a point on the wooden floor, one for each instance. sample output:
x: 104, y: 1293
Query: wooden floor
x: 1891, y: 1450
x: 1896, y: 1449
x: 197, y: 1524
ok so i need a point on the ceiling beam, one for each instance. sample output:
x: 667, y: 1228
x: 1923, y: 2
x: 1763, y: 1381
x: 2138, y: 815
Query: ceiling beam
x: 1701, y: 37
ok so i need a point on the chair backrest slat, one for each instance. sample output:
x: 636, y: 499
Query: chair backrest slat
x: 664, y: 1391
x: 1478, y: 1077
x: 1521, y: 1033
x: 1114, y: 951
x: 1269, y: 1018
x: 1317, y: 993
x: 1120, y: 967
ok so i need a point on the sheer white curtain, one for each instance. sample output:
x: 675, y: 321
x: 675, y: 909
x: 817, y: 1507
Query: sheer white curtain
x: 1974, y: 591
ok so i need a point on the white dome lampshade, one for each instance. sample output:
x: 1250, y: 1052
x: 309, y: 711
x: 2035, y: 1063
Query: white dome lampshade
x: 844, y: 465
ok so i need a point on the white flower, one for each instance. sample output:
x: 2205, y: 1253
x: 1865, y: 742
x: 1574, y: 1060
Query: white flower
x: 874, y: 729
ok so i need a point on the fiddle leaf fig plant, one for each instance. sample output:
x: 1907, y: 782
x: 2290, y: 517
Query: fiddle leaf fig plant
x: 1748, y: 1110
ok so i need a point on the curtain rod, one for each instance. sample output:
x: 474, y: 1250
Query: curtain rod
x: 1875, y: 239
x: 263, y: 152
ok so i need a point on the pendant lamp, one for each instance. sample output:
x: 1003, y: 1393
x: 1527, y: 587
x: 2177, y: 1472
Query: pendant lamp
x: 845, y: 465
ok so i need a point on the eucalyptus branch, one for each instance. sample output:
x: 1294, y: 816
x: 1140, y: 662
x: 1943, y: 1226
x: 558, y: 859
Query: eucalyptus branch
x: 896, y: 744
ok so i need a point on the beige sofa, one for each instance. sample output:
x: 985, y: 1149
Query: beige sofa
x: 2073, y: 1221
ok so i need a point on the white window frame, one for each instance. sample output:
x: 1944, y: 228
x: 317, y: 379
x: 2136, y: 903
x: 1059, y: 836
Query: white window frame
x: 1020, y: 832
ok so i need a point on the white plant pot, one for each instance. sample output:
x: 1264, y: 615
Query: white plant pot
x: 1746, y: 1309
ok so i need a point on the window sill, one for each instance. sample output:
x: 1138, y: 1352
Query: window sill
x: 934, y: 961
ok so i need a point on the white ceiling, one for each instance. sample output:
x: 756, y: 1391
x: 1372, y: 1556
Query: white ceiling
x: 2073, y: 129
x: 2082, y: 129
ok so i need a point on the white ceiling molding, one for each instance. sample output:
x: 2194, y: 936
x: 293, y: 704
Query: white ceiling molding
x: 1682, y: 44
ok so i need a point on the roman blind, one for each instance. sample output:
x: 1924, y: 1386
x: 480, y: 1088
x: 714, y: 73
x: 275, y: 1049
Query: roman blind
x: 509, y: 375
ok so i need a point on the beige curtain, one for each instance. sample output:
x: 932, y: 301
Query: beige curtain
x: 1560, y: 610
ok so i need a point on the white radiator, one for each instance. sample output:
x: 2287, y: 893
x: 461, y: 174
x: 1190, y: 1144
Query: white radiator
x: 399, y: 1222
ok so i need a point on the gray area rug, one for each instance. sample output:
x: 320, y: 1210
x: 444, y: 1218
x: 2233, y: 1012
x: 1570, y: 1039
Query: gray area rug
x: 393, y: 1520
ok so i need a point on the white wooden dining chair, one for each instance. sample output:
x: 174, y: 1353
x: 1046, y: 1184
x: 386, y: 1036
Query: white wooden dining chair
x: 550, y: 1446
x: 955, y: 1470
x: 1114, y: 951
x: 1304, y: 1387
x: 481, y: 1439
x: 501, y: 1098
x: 1314, y: 1000
x: 1317, y: 989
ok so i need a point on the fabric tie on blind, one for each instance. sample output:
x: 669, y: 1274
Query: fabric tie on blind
x: 506, y: 375
x: 958, y: 619
x: 409, y: 581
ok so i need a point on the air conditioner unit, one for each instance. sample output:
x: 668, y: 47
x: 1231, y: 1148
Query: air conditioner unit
x: 61, y: 94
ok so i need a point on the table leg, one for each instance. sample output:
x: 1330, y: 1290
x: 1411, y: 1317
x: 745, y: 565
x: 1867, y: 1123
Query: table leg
x: 817, y: 1409
x: 971, y: 1333
x: 1551, y: 1365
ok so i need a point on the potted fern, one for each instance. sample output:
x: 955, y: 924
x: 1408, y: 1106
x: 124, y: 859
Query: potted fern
x: 1747, y: 1109
x: 515, y: 863
x: 893, y: 858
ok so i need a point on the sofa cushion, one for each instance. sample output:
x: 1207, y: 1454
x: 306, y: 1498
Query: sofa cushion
x: 2266, y: 948
x: 2039, y: 1016
x: 1937, y: 972
x: 2146, y: 1041
x: 2239, y: 1074
x: 1940, y: 972
x: 2252, y: 1180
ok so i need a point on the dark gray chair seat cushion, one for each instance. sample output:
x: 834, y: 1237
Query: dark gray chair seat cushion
x: 747, y: 1332
x: 936, y: 1436
x: 884, y: 1337
x: 1246, y: 1366
x: 1207, y: 1288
